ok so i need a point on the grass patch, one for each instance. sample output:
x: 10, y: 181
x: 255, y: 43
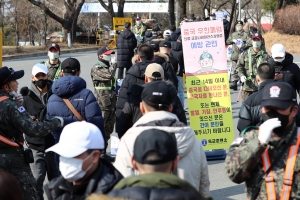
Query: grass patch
x: 290, y: 42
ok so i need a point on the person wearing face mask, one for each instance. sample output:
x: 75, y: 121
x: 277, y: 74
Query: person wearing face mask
x: 286, y: 70
x: 83, y: 171
x: 212, y: 17
x: 139, y: 29
x: 53, y: 64
x: 35, y: 102
x: 250, y: 112
x: 103, y: 77
x: 247, y: 66
x: 238, y: 41
x: 267, y: 158
x: 15, y: 121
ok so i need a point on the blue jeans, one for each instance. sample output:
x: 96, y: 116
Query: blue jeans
x: 180, y: 93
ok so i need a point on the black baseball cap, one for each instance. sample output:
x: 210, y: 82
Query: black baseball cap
x: 278, y: 94
x: 54, y: 45
x: 165, y: 44
x: 155, y: 46
x: 9, y: 74
x: 70, y: 65
x: 157, y: 141
x: 157, y: 94
x: 239, y: 22
x: 105, y: 51
x: 257, y: 36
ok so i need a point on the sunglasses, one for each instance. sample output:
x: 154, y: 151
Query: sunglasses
x: 12, y: 72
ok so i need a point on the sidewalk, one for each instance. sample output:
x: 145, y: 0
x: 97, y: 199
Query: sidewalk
x: 63, y: 51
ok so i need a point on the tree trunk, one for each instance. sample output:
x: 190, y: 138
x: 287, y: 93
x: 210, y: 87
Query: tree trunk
x: 120, y: 4
x: 172, y: 12
x: 181, y: 7
x: 279, y: 4
x: 232, y: 16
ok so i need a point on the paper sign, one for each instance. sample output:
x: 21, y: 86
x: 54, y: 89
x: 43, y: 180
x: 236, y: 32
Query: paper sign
x: 207, y: 83
x: 114, y: 145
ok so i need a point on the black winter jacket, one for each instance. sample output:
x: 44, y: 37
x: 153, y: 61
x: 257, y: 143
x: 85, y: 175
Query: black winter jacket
x: 176, y: 34
x: 101, y: 181
x: 126, y: 43
x: 290, y: 71
x: 164, y: 61
x: 250, y: 112
x: 37, y: 108
x: 226, y: 25
x: 177, y: 52
x: 132, y: 113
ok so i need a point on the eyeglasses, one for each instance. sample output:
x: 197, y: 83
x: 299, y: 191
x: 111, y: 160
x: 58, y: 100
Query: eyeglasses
x: 12, y: 72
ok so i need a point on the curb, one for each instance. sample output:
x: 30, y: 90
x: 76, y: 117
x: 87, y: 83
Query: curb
x: 18, y: 56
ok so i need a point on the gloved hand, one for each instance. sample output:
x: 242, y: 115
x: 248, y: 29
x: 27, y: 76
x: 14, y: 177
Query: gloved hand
x: 243, y: 79
x: 266, y: 129
x: 60, y: 119
x: 113, y: 59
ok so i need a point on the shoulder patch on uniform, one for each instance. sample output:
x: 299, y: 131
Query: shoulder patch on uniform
x: 237, y: 141
x: 21, y: 109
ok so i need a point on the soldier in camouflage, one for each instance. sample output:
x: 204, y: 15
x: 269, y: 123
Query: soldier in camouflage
x: 273, y: 142
x: 247, y: 66
x: 14, y: 121
x: 53, y: 64
x: 103, y: 77
x: 238, y: 41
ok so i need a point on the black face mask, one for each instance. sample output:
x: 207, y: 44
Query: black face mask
x: 40, y: 83
x: 280, y: 131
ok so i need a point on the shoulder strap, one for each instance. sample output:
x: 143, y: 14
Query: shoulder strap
x: 247, y: 128
x: 73, y: 110
x: 276, y: 160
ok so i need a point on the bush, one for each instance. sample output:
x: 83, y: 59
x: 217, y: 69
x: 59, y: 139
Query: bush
x: 287, y: 20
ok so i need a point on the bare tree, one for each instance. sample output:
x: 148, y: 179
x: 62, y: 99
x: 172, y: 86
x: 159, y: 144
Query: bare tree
x: 71, y: 12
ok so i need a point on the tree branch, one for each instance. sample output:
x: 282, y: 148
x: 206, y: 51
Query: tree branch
x: 47, y: 11
x: 104, y: 5
x: 223, y: 4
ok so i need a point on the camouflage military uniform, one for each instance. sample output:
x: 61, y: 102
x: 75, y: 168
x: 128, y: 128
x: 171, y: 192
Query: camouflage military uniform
x: 103, y: 77
x: 53, y: 69
x: 255, y: 59
x: 244, y: 163
x: 236, y: 51
x: 14, y: 121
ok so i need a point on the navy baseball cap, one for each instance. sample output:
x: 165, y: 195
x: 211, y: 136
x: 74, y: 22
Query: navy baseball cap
x: 154, y: 141
x: 278, y: 94
x: 9, y: 74
x: 157, y: 94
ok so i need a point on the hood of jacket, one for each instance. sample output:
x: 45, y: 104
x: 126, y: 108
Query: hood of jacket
x: 154, y: 180
x: 68, y: 86
x: 126, y: 33
x: 288, y: 60
x: 160, y: 58
x: 169, y: 122
x: 176, y: 46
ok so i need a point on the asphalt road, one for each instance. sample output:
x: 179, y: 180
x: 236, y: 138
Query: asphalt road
x: 221, y: 187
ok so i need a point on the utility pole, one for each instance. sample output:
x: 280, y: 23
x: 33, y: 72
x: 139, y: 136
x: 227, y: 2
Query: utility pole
x: 240, y: 14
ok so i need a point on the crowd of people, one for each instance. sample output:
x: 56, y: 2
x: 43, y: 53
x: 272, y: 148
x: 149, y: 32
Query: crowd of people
x: 59, y: 129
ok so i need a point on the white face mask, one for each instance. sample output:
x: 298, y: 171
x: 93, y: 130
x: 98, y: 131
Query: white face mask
x: 71, y: 168
x: 279, y: 60
x: 53, y: 56
x: 107, y: 58
x: 256, y: 44
x: 238, y: 28
x: 138, y: 22
x: 13, y: 93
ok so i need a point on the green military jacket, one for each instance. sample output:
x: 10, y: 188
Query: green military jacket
x: 247, y: 58
x: 15, y: 120
x: 244, y: 164
x: 103, y: 77
x: 140, y: 30
x: 236, y: 51
x: 53, y: 70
